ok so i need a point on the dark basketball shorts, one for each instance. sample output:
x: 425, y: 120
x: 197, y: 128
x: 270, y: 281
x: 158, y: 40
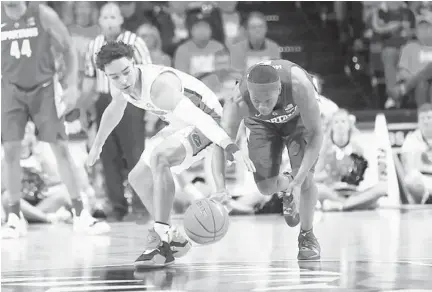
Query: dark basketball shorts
x: 19, y: 105
x: 266, y: 142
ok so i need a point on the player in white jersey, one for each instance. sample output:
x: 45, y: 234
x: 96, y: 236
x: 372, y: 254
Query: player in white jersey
x: 191, y: 109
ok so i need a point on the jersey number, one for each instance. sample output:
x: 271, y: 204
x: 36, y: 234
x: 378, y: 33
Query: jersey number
x: 25, y: 50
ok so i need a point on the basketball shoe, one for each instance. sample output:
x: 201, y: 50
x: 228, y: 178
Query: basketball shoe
x: 15, y: 227
x: 289, y: 207
x: 179, y: 244
x: 309, y: 248
x: 86, y: 224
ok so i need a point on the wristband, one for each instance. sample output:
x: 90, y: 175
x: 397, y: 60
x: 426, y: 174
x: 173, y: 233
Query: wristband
x: 232, y: 148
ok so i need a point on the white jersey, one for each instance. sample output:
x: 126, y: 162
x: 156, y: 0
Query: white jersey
x: 193, y: 88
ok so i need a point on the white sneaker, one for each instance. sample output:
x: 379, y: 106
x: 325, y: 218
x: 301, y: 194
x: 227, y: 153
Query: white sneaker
x: 86, y: 224
x: 15, y: 227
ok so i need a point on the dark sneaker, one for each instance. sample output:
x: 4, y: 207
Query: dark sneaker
x: 309, y: 248
x: 160, y: 257
x: 179, y: 244
x: 292, y: 217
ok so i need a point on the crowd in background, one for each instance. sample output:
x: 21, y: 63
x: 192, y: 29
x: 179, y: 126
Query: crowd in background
x: 215, y: 42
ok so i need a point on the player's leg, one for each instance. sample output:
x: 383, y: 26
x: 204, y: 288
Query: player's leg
x: 174, y: 154
x: 14, y: 118
x: 365, y: 199
x: 309, y: 248
x: 265, y: 148
x: 51, y: 129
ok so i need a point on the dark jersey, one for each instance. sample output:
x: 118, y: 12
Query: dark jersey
x: 27, y: 58
x: 285, y: 110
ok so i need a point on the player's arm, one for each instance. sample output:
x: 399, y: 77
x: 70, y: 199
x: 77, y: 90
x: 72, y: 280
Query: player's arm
x: 167, y: 95
x: 304, y: 96
x: 111, y: 117
x: 62, y: 41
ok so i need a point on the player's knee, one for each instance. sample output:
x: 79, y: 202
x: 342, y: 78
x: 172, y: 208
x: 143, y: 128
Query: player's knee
x: 158, y: 161
x: 267, y: 187
x: 12, y: 152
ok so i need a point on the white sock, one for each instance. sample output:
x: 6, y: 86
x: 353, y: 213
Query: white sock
x: 163, y: 230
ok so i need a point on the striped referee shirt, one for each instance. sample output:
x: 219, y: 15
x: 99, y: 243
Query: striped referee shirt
x: 141, y: 56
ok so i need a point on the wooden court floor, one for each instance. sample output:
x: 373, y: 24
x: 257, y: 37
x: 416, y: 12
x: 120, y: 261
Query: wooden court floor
x: 386, y: 250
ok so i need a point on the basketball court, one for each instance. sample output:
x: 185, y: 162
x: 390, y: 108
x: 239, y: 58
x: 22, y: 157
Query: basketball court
x: 384, y: 250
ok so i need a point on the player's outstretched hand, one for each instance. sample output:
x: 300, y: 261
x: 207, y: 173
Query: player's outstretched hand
x: 243, y: 157
x: 294, y: 188
x: 94, y: 154
x: 222, y: 197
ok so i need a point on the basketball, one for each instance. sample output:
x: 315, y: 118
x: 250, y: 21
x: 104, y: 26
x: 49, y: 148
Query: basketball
x: 206, y: 221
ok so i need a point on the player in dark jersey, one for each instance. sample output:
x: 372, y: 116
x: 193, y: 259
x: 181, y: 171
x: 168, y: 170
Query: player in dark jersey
x: 278, y: 106
x: 30, y: 34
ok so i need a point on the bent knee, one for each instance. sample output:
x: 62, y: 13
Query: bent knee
x: 267, y: 187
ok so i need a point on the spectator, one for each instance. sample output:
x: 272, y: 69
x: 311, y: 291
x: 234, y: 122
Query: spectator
x: 256, y: 47
x: 133, y: 16
x: 197, y: 55
x: 150, y: 34
x: 416, y: 58
x: 342, y: 168
x: 417, y: 157
x: 394, y: 23
x: 231, y: 22
x: 44, y: 196
x: 124, y: 146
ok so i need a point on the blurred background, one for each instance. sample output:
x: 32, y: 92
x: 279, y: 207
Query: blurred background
x: 366, y: 57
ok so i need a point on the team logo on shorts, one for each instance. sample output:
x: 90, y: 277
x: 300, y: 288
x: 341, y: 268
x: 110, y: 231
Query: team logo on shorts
x: 196, y: 139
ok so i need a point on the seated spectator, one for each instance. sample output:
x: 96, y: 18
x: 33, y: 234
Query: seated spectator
x: 395, y: 24
x: 197, y: 55
x: 415, y: 72
x: 256, y: 47
x: 45, y: 198
x: 417, y: 157
x: 231, y: 21
x: 150, y: 34
x: 133, y: 15
x: 342, y: 167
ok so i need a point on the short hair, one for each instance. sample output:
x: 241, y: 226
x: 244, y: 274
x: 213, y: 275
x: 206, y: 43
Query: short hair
x: 426, y: 107
x: 113, y: 51
x: 255, y: 14
x: 262, y: 74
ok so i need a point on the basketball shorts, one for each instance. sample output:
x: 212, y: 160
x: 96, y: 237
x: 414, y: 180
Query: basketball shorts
x: 266, y: 142
x: 19, y: 105
x: 196, y: 144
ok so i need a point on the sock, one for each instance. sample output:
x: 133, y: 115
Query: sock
x: 15, y: 208
x: 162, y: 229
x: 77, y: 205
x: 305, y: 232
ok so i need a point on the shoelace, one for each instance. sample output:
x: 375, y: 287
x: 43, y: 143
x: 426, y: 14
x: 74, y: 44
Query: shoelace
x: 307, y: 242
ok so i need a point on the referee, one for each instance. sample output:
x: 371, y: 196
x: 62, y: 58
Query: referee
x: 125, y: 144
